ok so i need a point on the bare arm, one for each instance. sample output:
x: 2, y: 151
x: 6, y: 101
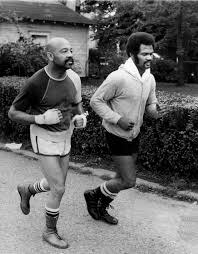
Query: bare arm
x: 20, y: 116
x: 51, y: 116
x: 157, y: 111
x: 78, y: 109
x: 152, y: 111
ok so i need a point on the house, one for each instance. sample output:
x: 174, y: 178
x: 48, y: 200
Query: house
x: 44, y: 20
x: 72, y: 4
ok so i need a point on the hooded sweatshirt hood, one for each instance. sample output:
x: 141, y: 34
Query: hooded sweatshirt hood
x: 130, y: 67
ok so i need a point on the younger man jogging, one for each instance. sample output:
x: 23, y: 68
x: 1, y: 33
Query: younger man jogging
x: 121, y: 102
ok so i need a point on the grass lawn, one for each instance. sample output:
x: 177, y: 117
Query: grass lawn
x: 187, y: 89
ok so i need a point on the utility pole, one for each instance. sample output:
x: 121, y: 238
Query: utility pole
x: 180, y: 49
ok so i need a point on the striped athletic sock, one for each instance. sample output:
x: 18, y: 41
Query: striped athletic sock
x: 106, y: 192
x: 37, y: 187
x: 52, y: 212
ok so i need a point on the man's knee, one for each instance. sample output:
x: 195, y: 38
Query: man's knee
x: 58, y: 190
x: 123, y: 184
x: 128, y: 183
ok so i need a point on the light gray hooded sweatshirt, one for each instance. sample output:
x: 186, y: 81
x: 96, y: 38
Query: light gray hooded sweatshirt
x: 124, y: 93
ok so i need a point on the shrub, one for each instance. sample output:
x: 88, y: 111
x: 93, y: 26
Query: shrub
x: 100, y: 64
x: 9, y: 87
x: 94, y: 55
x: 94, y: 62
x: 90, y: 140
x: 169, y: 146
x: 164, y: 70
x: 21, y: 58
x: 114, y: 62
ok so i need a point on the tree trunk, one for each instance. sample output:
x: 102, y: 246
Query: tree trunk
x: 180, y: 49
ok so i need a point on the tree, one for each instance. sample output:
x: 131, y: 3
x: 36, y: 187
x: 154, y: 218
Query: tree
x: 11, y: 17
x: 102, y: 12
x: 180, y: 49
x: 175, y: 28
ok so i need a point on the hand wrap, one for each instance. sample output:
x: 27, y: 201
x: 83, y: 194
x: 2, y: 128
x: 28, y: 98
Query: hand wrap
x: 51, y: 116
x: 82, y: 116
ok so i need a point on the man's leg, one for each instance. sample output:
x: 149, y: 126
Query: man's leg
x: 64, y: 164
x: 107, y: 191
x: 52, y: 170
x: 126, y: 173
x: 27, y: 190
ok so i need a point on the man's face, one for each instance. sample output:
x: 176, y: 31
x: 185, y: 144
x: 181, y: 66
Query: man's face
x: 144, y: 57
x: 62, y: 56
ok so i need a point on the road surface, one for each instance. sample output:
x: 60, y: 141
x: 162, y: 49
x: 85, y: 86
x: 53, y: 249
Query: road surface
x: 148, y: 223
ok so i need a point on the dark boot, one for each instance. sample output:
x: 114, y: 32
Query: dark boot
x: 92, y: 203
x: 103, y: 205
x: 25, y: 194
x: 50, y: 234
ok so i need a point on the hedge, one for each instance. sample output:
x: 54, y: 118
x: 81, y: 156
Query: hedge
x: 168, y: 146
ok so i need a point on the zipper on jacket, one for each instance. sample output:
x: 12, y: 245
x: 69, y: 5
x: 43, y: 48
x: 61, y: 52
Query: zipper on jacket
x: 140, y: 102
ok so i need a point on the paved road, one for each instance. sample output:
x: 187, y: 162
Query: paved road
x: 148, y: 224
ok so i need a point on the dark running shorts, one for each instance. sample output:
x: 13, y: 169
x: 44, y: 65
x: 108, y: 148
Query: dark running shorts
x: 120, y: 146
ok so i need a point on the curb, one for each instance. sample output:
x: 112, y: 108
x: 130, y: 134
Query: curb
x: 141, y: 185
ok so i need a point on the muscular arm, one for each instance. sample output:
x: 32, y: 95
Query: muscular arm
x: 21, y: 104
x: 78, y: 109
x: 30, y: 95
x: 152, y: 111
x: 157, y: 111
x: 20, y: 116
x: 151, y: 107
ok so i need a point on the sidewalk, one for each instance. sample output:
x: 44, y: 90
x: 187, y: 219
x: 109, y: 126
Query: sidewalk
x: 104, y: 174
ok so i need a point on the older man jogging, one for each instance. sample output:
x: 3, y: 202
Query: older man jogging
x: 53, y: 95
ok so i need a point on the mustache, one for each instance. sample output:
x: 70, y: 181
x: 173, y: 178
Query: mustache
x: 69, y: 59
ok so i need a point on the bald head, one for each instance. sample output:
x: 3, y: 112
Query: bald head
x: 56, y: 44
x: 59, y: 53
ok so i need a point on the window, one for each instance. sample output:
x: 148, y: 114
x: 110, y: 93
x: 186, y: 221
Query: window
x: 39, y: 38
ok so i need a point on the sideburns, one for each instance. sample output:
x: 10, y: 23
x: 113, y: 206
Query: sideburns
x: 136, y: 59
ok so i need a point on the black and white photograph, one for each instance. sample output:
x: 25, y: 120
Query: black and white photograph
x: 99, y: 126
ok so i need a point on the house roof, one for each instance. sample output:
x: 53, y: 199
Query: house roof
x: 38, y: 11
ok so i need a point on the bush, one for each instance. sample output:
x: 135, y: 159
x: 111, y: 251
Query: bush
x: 164, y: 70
x: 113, y: 63
x: 9, y: 88
x: 91, y: 140
x: 168, y: 146
x: 101, y: 65
x: 21, y: 58
x: 95, y: 55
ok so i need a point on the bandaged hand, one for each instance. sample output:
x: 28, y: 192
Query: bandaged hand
x: 80, y: 121
x: 51, y: 116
